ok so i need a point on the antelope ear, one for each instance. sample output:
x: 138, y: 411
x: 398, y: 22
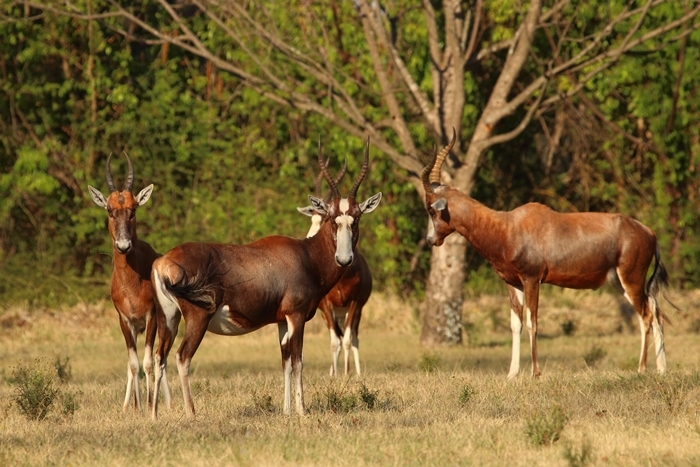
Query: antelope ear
x: 371, y: 203
x: 439, y: 205
x: 97, y: 197
x: 318, y: 205
x: 144, y: 194
x: 306, y: 210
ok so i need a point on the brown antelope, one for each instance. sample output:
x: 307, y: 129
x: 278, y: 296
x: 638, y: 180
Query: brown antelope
x: 131, y: 291
x: 237, y: 289
x: 342, y: 306
x: 533, y: 244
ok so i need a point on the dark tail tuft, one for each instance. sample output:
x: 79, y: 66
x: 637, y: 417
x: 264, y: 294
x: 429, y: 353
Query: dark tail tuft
x: 197, y: 288
x: 659, y: 278
x: 657, y: 282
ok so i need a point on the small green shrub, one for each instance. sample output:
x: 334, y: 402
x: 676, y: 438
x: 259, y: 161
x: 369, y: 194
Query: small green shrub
x: 263, y: 402
x: 568, y: 327
x: 466, y: 395
x: 63, y: 369
x: 429, y: 362
x: 369, y: 398
x: 594, y: 355
x: 35, y: 390
x: 578, y: 457
x: 69, y: 403
x: 544, y: 428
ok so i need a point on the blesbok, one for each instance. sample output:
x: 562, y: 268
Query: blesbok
x: 342, y: 306
x: 236, y: 289
x: 131, y: 290
x: 533, y: 244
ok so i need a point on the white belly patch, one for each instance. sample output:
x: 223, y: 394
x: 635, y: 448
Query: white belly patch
x: 222, y: 324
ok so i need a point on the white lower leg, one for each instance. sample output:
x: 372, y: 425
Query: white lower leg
x: 516, y: 327
x: 642, y: 352
x: 284, y: 330
x: 658, y: 331
x: 183, y: 369
x: 335, y: 352
x: 356, y: 352
x: 166, y: 391
x: 132, y: 382
x: 299, y: 388
x: 159, y: 374
x: 288, y: 386
x: 148, y: 369
x: 347, y: 345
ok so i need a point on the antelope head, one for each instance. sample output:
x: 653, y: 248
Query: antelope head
x: 121, y: 207
x: 436, y: 196
x: 344, y: 213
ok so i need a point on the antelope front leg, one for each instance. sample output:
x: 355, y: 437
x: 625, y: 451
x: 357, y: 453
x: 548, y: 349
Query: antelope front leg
x: 132, y: 370
x: 167, y: 329
x: 151, y: 329
x: 516, y: 325
x: 291, y: 336
x: 283, y: 332
x: 532, y: 297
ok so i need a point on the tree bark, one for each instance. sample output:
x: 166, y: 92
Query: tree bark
x: 444, y: 296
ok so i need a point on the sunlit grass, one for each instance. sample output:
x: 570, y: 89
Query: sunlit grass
x: 412, y: 406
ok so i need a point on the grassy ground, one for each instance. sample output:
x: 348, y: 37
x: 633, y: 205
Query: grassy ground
x: 412, y: 406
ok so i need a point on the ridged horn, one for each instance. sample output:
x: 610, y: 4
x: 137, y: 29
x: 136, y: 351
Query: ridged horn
x: 130, y: 177
x: 363, y: 172
x: 440, y: 159
x: 338, y: 178
x: 425, y: 173
x: 108, y: 175
x: 324, y: 170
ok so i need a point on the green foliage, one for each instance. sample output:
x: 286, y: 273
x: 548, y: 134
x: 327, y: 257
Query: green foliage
x: 231, y: 166
x: 544, y: 427
x: 35, y: 390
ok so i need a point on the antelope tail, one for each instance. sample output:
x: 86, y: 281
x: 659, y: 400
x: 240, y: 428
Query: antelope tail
x: 197, y: 288
x: 657, y: 282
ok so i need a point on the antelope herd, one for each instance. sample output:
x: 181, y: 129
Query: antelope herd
x: 237, y: 289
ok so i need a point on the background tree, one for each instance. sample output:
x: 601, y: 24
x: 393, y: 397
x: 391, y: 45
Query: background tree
x: 407, y: 74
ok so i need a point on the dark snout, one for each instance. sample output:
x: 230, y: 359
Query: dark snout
x: 344, y: 261
x: 123, y: 247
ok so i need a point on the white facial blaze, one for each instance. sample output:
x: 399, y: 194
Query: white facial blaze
x: 343, y: 252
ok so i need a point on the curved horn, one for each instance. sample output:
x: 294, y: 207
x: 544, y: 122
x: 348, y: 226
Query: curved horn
x: 130, y: 178
x: 440, y: 158
x: 317, y: 183
x: 363, y: 172
x: 108, y: 174
x: 324, y: 170
x: 425, y: 173
x: 338, y: 178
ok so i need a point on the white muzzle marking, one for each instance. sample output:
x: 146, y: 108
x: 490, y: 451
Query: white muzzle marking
x: 343, y: 251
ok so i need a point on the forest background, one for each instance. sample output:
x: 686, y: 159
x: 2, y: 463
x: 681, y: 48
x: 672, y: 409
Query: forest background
x: 231, y: 161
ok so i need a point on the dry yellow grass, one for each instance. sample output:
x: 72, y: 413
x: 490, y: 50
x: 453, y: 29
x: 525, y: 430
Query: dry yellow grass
x: 462, y: 413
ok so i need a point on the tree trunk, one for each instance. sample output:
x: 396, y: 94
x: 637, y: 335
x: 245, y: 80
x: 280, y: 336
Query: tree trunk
x: 442, y: 317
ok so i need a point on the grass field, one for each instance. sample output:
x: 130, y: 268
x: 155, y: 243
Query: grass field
x: 412, y: 406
